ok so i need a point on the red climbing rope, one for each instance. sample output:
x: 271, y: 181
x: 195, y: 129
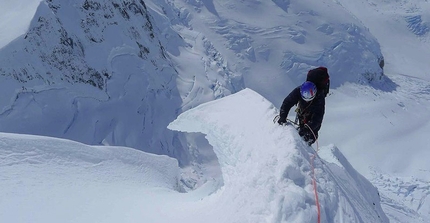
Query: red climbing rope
x: 314, y: 181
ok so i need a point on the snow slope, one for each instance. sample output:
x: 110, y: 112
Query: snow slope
x: 402, y: 28
x: 56, y: 180
x: 266, y: 171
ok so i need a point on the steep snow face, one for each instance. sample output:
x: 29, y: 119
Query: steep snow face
x: 267, y: 168
x: 93, y: 71
x: 59, y: 38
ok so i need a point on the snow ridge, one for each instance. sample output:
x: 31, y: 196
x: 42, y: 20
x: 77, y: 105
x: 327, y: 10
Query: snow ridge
x: 271, y: 164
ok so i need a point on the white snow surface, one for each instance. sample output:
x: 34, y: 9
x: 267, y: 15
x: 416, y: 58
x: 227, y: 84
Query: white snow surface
x: 214, y: 49
x: 55, y: 180
x: 266, y: 170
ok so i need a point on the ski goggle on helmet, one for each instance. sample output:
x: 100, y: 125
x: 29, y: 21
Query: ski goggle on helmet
x: 308, y: 90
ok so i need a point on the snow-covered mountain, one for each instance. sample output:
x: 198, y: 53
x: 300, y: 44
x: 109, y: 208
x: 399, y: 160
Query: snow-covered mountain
x: 118, y: 72
x: 96, y: 72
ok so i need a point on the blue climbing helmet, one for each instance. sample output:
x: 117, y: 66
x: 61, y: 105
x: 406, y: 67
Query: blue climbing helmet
x: 308, y: 90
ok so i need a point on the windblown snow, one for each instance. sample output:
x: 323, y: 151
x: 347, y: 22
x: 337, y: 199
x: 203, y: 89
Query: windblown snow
x: 266, y: 174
